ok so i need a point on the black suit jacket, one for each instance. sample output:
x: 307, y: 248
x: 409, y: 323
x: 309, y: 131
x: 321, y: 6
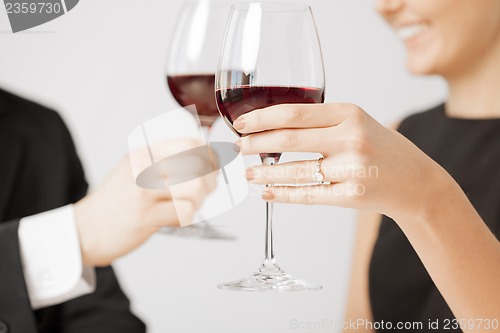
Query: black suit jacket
x: 40, y: 171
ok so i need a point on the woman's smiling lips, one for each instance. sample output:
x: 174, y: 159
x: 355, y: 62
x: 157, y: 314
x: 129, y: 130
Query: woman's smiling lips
x: 411, y: 31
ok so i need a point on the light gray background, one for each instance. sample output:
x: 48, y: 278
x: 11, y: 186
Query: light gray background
x: 102, y: 65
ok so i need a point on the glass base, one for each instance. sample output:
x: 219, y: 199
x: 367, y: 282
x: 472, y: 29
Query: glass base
x: 199, y: 230
x: 270, y: 277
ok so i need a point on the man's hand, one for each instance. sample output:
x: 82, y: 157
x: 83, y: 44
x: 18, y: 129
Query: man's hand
x: 119, y: 216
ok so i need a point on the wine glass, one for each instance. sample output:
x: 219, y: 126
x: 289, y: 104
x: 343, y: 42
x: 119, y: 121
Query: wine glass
x: 190, y: 73
x: 270, y: 55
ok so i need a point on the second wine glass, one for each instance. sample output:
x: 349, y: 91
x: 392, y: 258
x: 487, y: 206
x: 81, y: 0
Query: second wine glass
x: 270, y: 55
x: 190, y: 74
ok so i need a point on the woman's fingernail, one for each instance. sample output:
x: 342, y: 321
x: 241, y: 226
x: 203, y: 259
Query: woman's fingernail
x: 239, y: 124
x: 237, y: 146
x: 250, y: 174
x: 268, y: 195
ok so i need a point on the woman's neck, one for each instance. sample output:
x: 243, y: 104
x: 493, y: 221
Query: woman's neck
x: 475, y: 92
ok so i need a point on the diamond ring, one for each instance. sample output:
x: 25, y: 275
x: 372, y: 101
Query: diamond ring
x: 318, y: 175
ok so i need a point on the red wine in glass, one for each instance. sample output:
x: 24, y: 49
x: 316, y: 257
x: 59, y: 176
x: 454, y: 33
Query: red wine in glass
x: 235, y: 102
x: 197, y: 89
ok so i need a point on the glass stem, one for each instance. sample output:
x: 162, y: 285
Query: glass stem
x: 269, y: 248
x: 269, y: 254
x: 207, y: 130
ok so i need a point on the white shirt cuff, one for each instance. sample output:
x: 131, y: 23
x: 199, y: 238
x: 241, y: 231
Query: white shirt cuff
x: 52, y: 260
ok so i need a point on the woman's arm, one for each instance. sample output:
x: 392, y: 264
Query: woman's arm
x: 358, y: 303
x: 460, y: 254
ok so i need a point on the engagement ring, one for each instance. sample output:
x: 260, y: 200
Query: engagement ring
x: 318, y: 175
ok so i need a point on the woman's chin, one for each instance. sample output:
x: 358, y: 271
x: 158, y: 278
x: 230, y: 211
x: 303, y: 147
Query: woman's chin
x: 428, y: 59
x: 421, y: 66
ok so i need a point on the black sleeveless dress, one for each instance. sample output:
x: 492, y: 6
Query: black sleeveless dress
x: 400, y: 288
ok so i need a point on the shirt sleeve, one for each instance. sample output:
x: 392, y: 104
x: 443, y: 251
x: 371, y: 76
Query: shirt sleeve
x: 52, y: 260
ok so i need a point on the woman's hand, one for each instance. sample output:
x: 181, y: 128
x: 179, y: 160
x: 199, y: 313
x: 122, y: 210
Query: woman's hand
x: 369, y: 166
x: 119, y: 216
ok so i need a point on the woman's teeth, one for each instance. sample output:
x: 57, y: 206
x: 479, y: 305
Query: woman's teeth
x: 410, y: 31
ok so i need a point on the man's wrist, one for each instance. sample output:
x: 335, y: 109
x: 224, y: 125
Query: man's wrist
x: 51, y: 258
x: 81, y: 212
